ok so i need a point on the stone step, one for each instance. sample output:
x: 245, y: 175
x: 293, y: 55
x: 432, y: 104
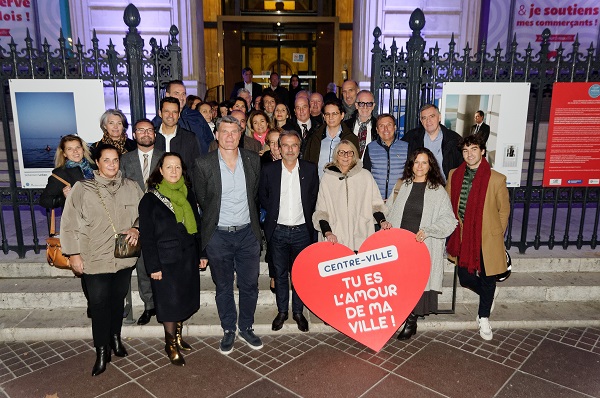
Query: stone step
x: 65, y: 292
x: 72, y: 323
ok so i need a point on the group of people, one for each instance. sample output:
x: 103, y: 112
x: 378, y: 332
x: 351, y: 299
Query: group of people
x: 323, y: 175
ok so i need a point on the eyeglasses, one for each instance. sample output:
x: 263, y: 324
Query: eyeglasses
x: 345, y: 153
x: 149, y: 130
x: 363, y: 104
x: 331, y: 114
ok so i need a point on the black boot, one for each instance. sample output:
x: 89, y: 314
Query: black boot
x: 102, y: 358
x: 410, y: 327
x: 116, y: 345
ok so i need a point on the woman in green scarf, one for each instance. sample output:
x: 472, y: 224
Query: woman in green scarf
x: 169, y: 224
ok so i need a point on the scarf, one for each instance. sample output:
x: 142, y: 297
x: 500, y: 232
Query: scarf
x: 86, y: 168
x: 119, y: 144
x: 177, y: 194
x: 468, y: 246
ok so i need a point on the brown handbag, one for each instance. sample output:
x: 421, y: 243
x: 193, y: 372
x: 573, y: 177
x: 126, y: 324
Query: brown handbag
x: 54, y: 254
x: 122, y: 248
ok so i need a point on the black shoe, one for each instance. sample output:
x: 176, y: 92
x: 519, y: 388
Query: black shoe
x: 301, y: 321
x: 102, y: 358
x: 146, y: 316
x: 410, y: 327
x: 226, y: 345
x: 251, y: 339
x: 279, y: 320
x: 117, y: 347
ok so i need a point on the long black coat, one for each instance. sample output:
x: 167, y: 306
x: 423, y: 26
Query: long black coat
x: 167, y: 247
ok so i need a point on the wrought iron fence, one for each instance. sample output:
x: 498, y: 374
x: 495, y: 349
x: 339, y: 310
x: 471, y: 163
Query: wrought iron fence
x: 136, y: 69
x: 539, y: 216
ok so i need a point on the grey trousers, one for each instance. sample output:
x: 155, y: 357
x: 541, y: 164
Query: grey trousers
x: 144, y: 287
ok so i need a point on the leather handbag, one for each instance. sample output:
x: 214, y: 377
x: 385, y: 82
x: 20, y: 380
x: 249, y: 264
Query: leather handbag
x: 54, y: 254
x: 122, y: 248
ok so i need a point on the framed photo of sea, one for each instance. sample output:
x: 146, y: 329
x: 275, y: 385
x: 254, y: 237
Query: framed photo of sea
x: 46, y: 110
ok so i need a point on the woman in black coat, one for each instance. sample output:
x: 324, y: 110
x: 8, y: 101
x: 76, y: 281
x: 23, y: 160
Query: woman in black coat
x: 73, y: 163
x: 114, y: 132
x: 169, y: 224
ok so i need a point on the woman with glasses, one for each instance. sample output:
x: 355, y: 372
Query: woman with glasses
x: 349, y: 203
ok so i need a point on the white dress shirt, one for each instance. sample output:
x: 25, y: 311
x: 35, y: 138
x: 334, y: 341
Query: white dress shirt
x: 290, y: 200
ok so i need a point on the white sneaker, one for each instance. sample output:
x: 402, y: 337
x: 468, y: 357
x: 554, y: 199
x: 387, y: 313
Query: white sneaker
x: 485, y: 329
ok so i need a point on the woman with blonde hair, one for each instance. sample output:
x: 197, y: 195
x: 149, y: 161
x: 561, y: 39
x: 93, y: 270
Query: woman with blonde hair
x: 349, y: 203
x: 73, y: 163
x: 113, y: 124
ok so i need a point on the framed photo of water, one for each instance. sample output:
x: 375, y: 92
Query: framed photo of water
x: 44, y: 111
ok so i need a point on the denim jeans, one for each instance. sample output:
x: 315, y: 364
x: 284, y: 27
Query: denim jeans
x: 286, y: 243
x: 238, y: 252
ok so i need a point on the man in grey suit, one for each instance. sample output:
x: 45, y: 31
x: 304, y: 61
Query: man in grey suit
x: 226, y: 187
x: 137, y: 165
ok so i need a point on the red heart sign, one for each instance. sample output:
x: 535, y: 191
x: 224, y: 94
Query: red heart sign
x: 367, y: 295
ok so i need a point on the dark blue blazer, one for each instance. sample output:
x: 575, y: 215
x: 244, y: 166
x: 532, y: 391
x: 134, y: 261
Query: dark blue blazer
x: 269, y: 191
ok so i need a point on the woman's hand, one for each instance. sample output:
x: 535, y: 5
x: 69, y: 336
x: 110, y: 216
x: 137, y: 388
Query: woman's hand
x: 203, y: 263
x: 66, y: 190
x: 421, y: 236
x: 76, y: 264
x: 385, y: 225
x: 133, y: 234
x: 156, y: 275
x: 330, y: 237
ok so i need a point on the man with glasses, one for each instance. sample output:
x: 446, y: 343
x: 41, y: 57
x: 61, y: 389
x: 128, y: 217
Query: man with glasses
x: 138, y: 165
x: 362, y: 123
x: 320, y: 145
x: 436, y: 137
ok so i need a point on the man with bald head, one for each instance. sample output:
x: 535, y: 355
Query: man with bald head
x: 316, y: 108
x: 349, y: 93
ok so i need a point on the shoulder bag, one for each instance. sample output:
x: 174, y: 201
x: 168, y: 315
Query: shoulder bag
x: 54, y: 254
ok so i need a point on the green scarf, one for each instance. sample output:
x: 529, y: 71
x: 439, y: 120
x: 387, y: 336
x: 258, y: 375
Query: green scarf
x: 177, y: 194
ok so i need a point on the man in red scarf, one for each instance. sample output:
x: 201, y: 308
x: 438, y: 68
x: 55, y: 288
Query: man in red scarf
x: 480, y: 202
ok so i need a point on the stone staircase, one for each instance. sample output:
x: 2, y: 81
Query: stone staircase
x: 39, y: 302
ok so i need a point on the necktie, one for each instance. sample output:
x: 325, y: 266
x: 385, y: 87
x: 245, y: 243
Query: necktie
x: 304, y: 130
x: 476, y: 129
x: 362, y: 138
x: 146, y: 170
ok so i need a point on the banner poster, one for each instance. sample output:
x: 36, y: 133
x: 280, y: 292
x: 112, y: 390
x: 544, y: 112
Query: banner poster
x: 573, y: 148
x: 367, y: 296
x: 566, y: 19
x: 504, y: 106
x: 16, y: 16
x: 44, y: 111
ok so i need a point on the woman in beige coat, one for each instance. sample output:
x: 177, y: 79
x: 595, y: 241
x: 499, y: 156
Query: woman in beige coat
x: 349, y: 203
x: 87, y: 236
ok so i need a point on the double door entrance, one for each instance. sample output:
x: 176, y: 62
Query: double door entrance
x: 286, y: 45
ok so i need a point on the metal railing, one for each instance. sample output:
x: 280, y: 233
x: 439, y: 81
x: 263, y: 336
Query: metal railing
x: 136, y: 70
x: 539, y: 216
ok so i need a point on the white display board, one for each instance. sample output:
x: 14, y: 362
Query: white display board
x: 46, y: 110
x: 505, y: 110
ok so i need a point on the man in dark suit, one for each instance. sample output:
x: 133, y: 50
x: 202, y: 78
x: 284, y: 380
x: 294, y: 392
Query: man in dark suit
x: 137, y: 165
x: 174, y: 138
x: 247, y: 83
x: 189, y: 119
x: 480, y: 127
x: 281, y: 92
x: 362, y: 123
x: 436, y: 137
x: 226, y: 187
x: 288, y: 192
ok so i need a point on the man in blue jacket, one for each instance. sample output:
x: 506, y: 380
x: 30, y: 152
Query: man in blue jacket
x: 385, y: 157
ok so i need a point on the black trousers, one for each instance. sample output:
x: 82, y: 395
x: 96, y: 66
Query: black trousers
x: 483, y: 285
x: 107, y: 300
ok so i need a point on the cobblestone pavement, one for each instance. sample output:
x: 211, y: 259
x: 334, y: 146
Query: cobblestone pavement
x: 516, y: 363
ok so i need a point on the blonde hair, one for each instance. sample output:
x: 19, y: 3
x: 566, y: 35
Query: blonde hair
x: 335, y: 162
x: 60, y: 157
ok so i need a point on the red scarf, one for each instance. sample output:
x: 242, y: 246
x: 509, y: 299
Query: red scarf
x: 468, y: 250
